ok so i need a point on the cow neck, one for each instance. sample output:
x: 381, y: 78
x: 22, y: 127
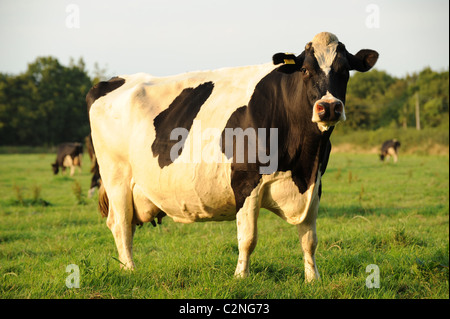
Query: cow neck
x: 302, y: 144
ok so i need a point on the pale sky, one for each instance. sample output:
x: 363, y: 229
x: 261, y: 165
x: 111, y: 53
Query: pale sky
x: 168, y: 37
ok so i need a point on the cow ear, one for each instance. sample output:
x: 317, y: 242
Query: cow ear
x: 285, y: 58
x: 291, y: 62
x: 362, y: 61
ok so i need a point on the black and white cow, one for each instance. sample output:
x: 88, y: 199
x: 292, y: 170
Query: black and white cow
x: 390, y: 148
x: 219, y: 145
x: 68, y: 155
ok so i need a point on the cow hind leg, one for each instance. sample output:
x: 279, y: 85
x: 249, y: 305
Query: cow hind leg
x: 119, y: 221
x: 393, y: 154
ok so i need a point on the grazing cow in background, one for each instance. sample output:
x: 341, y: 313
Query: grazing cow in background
x: 219, y: 145
x: 390, y: 148
x: 68, y: 155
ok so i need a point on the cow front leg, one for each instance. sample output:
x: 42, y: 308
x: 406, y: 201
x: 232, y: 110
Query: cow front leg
x: 119, y: 221
x: 308, y: 240
x: 246, y: 220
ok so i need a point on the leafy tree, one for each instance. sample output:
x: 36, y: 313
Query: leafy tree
x: 16, y: 121
x: 375, y: 99
x: 392, y: 111
x: 45, y: 105
x: 365, y: 98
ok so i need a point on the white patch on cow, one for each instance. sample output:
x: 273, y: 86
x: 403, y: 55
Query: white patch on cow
x: 286, y: 201
x: 325, y: 125
x: 391, y: 152
x: 325, y: 45
x: 67, y: 162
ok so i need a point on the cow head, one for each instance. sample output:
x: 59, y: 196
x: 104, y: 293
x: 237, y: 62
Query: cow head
x: 324, y: 67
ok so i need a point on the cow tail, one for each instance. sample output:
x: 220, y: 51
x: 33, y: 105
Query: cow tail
x: 103, y: 202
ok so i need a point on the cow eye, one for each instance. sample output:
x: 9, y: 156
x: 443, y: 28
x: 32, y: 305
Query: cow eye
x: 304, y: 71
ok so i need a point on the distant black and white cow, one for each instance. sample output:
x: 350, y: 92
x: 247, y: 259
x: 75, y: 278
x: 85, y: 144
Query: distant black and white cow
x: 390, y: 148
x: 219, y: 145
x: 68, y: 155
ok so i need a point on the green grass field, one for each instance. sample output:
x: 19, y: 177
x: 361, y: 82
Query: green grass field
x: 393, y: 216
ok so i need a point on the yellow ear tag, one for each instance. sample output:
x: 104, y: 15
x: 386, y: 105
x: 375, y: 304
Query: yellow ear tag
x: 289, y: 61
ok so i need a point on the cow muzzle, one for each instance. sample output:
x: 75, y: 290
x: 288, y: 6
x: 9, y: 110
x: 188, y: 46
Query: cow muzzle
x: 328, y: 111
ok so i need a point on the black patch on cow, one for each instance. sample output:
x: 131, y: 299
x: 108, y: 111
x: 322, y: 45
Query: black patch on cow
x: 180, y: 114
x: 278, y: 102
x: 243, y: 182
x: 102, y: 88
x: 244, y: 176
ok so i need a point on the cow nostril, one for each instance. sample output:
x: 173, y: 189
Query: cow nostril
x: 338, y: 108
x: 320, y: 108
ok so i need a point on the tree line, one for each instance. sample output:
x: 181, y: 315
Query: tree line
x: 45, y: 105
x: 419, y: 100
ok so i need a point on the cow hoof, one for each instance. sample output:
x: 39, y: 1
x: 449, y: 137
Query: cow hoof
x: 241, y: 274
x: 128, y: 266
x: 312, y: 277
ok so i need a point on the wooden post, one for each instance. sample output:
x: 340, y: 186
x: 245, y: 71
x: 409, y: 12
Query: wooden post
x: 417, y: 112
